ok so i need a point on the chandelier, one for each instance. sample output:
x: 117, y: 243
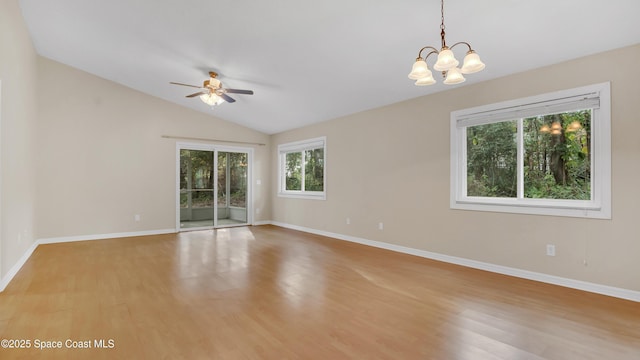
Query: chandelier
x: 446, y: 62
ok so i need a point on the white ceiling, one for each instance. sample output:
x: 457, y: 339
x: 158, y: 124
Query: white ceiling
x: 310, y: 61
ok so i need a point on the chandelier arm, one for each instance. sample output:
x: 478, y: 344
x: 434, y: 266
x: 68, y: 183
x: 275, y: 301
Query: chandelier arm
x: 430, y: 53
x: 424, y: 48
x: 462, y: 42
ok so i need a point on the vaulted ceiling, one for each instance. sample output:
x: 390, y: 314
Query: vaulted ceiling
x: 310, y: 61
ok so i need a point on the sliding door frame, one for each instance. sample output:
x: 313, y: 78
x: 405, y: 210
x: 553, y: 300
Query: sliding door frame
x: 215, y: 148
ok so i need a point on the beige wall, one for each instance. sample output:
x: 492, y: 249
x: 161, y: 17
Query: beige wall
x: 391, y: 165
x: 18, y: 76
x: 101, y: 157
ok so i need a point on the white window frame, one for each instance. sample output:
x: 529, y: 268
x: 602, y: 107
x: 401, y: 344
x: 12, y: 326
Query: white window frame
x: 215, y: 148
x: 597, y: 96
x: 301, y: 146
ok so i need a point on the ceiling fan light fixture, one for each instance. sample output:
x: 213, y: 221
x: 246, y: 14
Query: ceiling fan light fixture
x: 446, y: 61
x: 211, y: 99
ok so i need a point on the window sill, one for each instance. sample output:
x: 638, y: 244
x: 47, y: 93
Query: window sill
x: 589, y: 210
x: 301, y: 195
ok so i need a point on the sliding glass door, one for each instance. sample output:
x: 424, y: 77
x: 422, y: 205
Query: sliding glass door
x: 204, y: 171
x: 232, y: 188
x: 196, y: 188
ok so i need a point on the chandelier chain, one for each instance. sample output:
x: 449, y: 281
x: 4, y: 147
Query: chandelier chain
x: 442, y: 15
x: 444, y: 44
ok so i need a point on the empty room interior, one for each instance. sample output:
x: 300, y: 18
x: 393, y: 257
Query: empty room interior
x: 319, y: 180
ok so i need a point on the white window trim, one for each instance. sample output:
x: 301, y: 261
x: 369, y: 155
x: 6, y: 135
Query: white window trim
x: 296, y: 146
x: 598, y: 207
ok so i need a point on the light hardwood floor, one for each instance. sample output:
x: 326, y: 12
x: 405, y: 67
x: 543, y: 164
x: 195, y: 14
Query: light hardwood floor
x: 271, y: 293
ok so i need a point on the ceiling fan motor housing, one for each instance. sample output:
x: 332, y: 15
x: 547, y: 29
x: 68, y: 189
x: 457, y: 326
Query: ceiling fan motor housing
x: 212, y: 83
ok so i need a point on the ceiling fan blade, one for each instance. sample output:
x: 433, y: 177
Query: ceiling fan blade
x: 227, y: 98
x: 236, y: 91
x: 175, y: 83
x: 197, y: 94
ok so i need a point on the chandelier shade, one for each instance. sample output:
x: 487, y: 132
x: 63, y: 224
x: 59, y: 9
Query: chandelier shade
x: 446, y: 60
x: 472, y: 63
x: 427, y: 80
x: 454, y: 76
x: 419, y: 70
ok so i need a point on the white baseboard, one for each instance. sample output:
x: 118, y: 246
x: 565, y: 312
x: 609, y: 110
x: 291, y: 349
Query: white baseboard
x: 263, y: 222
x: 64, y: 239
x: 525, y: 274
x: 14, y: 270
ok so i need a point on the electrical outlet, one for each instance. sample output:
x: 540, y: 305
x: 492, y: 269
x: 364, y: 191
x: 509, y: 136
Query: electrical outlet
x: 380, y: 226
x: 551, y: 250
x: 348, y: 221
x: 136, y: 217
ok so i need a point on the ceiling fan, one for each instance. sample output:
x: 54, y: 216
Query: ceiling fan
x: 212, y: 92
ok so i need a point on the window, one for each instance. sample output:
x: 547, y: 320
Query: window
x: 302, y: 169
x: 546, y: 155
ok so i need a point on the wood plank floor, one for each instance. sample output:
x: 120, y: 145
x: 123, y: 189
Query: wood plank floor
x: 271, y: 293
